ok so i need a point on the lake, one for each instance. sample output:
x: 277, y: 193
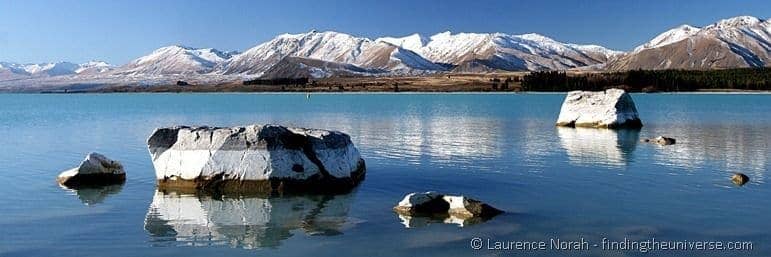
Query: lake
x: 554, y: 183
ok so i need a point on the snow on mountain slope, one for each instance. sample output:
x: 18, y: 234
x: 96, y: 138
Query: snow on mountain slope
x: 329, y: 47
x: 175, y: 60
x: 601, y: 52
x: 742, y: 41
x: 11, y: 71
x: 455, y: 49
x: 39, y: 69
x: 412, y: 42
x: 93, y: 67
x: 670, y: 36
x: 51, y: 69
x: 299, y: 67
x: 14, y: 68
x: 501, y: 51
x: 335, y: 54
x: 14, y: 71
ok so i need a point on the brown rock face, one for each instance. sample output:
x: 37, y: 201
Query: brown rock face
x: 698, y: 53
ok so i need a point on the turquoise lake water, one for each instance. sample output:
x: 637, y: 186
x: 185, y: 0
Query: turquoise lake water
x: 553, y: 183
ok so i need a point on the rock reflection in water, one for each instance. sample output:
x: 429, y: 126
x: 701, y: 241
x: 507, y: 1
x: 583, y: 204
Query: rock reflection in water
x: 589, y: 146
x: 177, y: 219
x: 422, y: 221
x: 91, y: 195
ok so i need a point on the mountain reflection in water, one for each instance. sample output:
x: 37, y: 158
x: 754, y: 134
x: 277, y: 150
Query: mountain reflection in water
x: 177, y: 219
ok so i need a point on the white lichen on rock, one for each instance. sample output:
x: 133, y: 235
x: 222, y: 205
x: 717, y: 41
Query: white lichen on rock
x: 612, y: 108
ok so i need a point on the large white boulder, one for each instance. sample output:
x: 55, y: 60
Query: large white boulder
x: 416, y: 208
x: 612, y: 108
x: 95, y: 169
x: 255, y: 158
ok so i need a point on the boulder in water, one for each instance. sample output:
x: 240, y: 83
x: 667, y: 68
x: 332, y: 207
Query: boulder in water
x: 662, y: 140
x: 255, y: 158
x: 95, y: 170
x: 612, y: 108
x: 740, y: 179
x: 444, y: 206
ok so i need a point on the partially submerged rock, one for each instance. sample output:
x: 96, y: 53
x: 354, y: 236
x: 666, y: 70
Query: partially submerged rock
x: 612, y: 108
x: 449, y: 208
x: 740, y: 179
x: 662, y: 140
x: 255, y: 158
x: 94, y: 170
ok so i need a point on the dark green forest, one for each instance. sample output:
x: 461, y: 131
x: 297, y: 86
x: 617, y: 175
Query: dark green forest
x: 651, y: 80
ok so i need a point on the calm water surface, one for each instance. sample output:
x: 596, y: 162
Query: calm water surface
x: 556, y: 183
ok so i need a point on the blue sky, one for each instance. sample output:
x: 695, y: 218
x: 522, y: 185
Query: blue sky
x: 118, y: 31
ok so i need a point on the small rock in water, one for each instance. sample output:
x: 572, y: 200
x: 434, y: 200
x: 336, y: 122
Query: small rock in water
x: 740, y: 179
x: 94, y: 170
x: 448, y: 208
x: 662, y: 140
x: 665, y: 140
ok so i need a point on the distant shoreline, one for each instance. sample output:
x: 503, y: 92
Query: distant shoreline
x: 272, y: 90
x: 741, y: 81
x: 700, y: 92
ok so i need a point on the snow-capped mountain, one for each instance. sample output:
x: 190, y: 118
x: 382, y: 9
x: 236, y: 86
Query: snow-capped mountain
x: 328, y: 46
x: 93, y: 67
x: 51, y: 69
x: 670, y: 36
x: 742, y: 41
x: 596, y: 51
x: 10, y: 71
x: 412, y: 42
x: 20, y: 71
x: 498, y: 51
x: 299, y: 67
x: 175, y: 60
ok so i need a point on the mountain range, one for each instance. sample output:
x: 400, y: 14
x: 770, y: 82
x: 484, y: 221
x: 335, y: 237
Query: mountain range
x: 742, y: 41
x: 15, y: 71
